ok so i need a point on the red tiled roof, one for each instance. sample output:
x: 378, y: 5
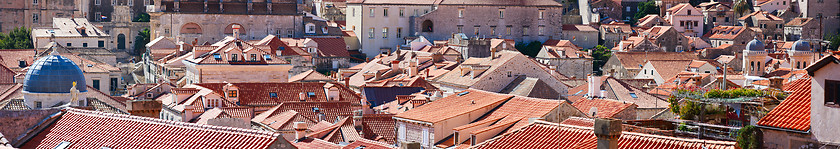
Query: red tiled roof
x: 634, y: 60
x: 331, y: 47
x: 331, y: 110
x: 794, y: 112
x: 11, y: 57
x: 544, y: 135
x: 310, y: 75
x: 256, y: 94
x: 606, y: 108
x: 368, y: 144
x: 466, y: 101
x: 379, y: 126
x: 725, y: 32
x: 311, y: 143
x: 92, y: 129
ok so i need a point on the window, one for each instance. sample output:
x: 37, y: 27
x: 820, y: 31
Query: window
x: 21, y: 63
x: 267, y: 56
x: 272, y: 95
x: 460, y: 12
x: 84, y: 44
x: 476, y: 29
x: 385, y: 32
x: 131, y: 2
x: 628, y: 9
x: 38, y: 104
x: 289, y: 33
x: 402, y: 12
x: 425, y: 134
x: 832, y: 92
x: 234, y: 57
x: 385, y: 12
x: 714, y: 19
x: 353, y: 12
x: 399, y: 32
x: 541, y: 30
x: 100, y: 44
x: 36, y: 2
x: 460, y: 28
x: 114, y: 83
x: 370, y: 33
x: 726, y: 19
x: 507, y: 29
x: 217, y: 56
x: 541, y: 14
x: 695, y: 22
x: 525, y: 30
x: 401, y: 133
x: 145, y: 2
x: 310, y: 28
x: 253, y: 57
x: 501, y: 13
x: 35, y: 18
x: 492, y: 30
x: 372, y: 11
x: 96, y: 84
x: 232, y: 94
x: 682, y: 23
x: 69, y: 44
x: 689, y: 12
x: 633, y: 95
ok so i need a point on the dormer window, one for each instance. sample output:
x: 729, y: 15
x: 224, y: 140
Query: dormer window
x: 267, y: 57
x: 149, y: 95
x: 234, y: 57
x: 217, y: 56
x: 311, y: 94
x: 232, y: 93
x: 22, y: 63
x: 253, y: 57
x: 272, y: 95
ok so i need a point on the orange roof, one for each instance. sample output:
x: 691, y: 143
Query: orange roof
x: 606, y: 108
x: 634, y: 60
x: 544, y: 135
x: 368, y: 144
x: 794, y: 113
x: 725, y: 32
x: 465, y: 101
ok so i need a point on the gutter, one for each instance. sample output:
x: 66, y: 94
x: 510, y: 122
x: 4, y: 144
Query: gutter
x: 783, y: 129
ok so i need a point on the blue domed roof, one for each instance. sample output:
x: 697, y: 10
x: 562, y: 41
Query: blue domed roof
x: 800, y: 45
x: 755, y: 45
x: 54, y: 74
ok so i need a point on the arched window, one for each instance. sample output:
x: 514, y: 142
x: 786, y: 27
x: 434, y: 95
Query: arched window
x: 121, y: 41
x: 310, y: 28
x: 229, y: 29
x: 191, y: 28
x: 752, y: 66
x: 428, y: 26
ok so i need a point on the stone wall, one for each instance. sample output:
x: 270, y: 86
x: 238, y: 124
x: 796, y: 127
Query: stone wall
x: 13, y: 124
x: 212, y: 26
x: 522, y: 21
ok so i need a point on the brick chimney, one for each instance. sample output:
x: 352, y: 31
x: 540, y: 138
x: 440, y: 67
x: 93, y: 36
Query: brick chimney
x: 302, y: 96
x: 300, y: 130
x: 594, y: 87
x: 608, y: 131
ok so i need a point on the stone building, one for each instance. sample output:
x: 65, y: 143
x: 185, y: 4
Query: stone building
x: 716, y: 14
x: 520, y: 20
x: 652, y: 20
x: 584, y: 36
x: 35, y: 13
x: 70, y: 32
x: 802, y: 28
x: 625, y: 65
x: 667, y: 38
x: 565, y: 58
x: 381, y: 25
x: 121, y: 28
x: 822, y: 11
x: 736, y: 36
x: 611, y: 34
x: 768, y: 25
x: 235, y: 60
x: 210, y: 21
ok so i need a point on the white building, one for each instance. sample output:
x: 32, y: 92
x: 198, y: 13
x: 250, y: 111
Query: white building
x: 71, y: 33
x: 381, y: 25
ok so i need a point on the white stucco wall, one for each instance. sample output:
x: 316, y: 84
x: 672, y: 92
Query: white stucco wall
x: 824, y: 118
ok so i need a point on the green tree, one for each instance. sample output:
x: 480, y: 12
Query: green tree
x: 749, y: 137
x: 742, y: 7
x: 140, y: 41
x: 645, y: 8
x: 19, y: 38
x: 530, y: 49
x: 834, y: 41
x: 141, y: 17
x: 600, y: 55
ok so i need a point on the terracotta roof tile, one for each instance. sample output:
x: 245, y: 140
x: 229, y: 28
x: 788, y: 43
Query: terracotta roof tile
x: 259, y: 94
x: 634, y: 60
x: 606, y: 108
x: 368, y: 144
x: 331, y: 47
x: 466, y: 101
x: 544, y: 135
x: 311, y: 143
x: 794, y: 113
x: 379, y: 126
x: 124, y: 131
x: 310, y: 75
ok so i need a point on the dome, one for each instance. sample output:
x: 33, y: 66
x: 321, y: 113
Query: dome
x: 755, y: 45
x: 53, y: 74
x: 800, y: 45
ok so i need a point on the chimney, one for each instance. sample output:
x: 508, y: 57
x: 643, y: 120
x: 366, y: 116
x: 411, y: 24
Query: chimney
x: 776, y: 82
x: 300, y: 130
x: 608, y: 131
x: 357, y: 118
x: 302, y: 96
x: 412, y: 68
x: 347, y: 82
x: 697, y: 81
x: 236, y: 31
x: 594, y: 86
x: 395, y: 65
x: 493, y: 52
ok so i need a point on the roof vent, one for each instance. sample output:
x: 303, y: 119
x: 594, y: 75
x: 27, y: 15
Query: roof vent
x: 473, y: 101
